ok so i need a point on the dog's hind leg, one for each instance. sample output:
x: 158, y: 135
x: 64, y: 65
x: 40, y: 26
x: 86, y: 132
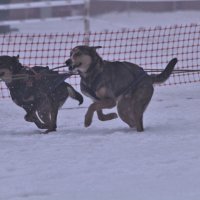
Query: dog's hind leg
x: 125, y: 111
x: 49, y: 118
x: 131, y: 107
x: 39, y: 124
x: 31, y: 116
x: 35, y: 119
x: 47, y: 112
x: 106, y: 117
x: 140, y: 102
x: 53, y: 120
x: 46, y: 121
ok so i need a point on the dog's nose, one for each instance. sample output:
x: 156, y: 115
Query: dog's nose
x: 68, y: 62
x: 70, y: 65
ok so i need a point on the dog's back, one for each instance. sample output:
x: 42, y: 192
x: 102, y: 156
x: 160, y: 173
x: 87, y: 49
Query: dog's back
x: 121, y: 75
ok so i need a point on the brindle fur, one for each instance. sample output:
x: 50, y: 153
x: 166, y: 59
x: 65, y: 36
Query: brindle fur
x: 115, y: 83
x: 37, y: 94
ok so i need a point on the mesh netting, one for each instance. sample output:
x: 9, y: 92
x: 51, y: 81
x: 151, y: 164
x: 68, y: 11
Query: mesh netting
x: 151, y: 48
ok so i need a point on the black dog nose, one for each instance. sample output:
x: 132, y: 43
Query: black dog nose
x: 68, y: 62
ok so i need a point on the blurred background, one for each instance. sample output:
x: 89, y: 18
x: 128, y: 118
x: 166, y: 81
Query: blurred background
x: 88, y: 15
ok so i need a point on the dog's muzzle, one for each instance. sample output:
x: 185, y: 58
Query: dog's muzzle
x: 6, y: 75
x: 71, y: 66
x: 68, y: 62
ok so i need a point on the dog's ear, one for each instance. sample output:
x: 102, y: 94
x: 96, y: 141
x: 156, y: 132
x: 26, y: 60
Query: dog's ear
x: 96, y: 47
x: 16, y: 57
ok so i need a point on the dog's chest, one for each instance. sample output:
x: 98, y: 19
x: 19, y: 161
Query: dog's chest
x: 93, y: 87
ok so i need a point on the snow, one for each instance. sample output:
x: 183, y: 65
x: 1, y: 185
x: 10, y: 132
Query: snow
x: 107, y: 161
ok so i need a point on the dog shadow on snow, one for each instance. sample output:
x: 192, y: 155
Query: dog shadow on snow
x: 30, y: 132
x: 82, y: 131
x: 157, y: 130
x: 101, y: 131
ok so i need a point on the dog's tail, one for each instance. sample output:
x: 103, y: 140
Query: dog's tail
x: 164, y: 75
x: 74, y: 94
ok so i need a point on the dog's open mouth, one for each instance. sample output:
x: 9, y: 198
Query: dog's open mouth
x: 74, y: 67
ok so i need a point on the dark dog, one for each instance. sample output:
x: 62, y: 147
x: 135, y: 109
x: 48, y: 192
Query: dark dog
x: 115, y: 83
x: 39, y: 90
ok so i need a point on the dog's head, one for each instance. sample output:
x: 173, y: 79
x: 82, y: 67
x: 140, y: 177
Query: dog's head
x: 82, y: 58
x: 9, y: 66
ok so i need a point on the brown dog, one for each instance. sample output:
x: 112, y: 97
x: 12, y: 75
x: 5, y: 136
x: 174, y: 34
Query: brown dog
x: 115, y: 83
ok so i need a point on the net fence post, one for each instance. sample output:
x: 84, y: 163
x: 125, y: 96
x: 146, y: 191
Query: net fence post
x: 86, y: 22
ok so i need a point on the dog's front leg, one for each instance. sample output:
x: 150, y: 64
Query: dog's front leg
x: 106, y: 117
x: 97, y: 106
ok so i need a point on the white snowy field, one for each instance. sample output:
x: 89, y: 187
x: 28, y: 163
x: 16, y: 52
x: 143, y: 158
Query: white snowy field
x: 107, y: 161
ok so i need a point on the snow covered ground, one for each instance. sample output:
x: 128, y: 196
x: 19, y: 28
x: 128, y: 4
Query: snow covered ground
x: 107, y: 161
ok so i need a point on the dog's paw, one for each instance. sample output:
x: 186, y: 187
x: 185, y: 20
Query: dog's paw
x: 113, y: 115
x: 29, y: 118
x: 88, y: 118
x: 109, y: 116
x: 87, y: 122
x: 49, y: 130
